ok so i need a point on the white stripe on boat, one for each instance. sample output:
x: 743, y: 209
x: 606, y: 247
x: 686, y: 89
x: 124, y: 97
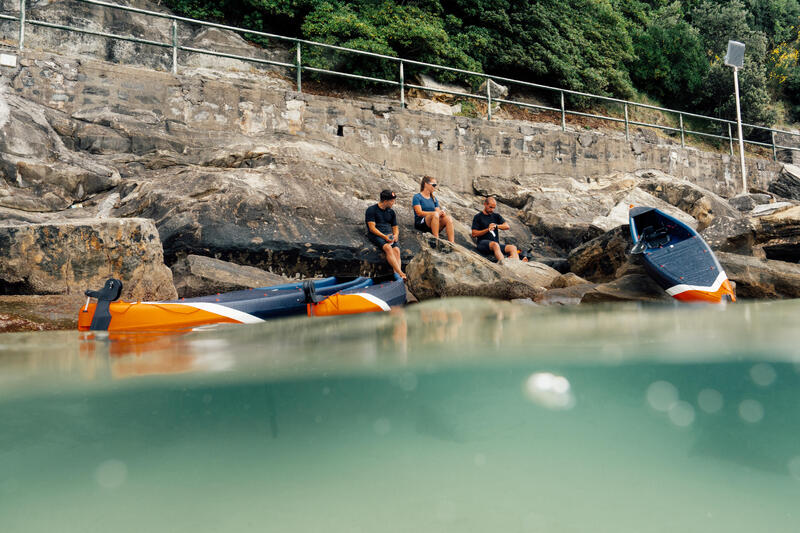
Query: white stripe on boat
x: 244, y: 318
x: 374, y: 299
x: 714, y: 287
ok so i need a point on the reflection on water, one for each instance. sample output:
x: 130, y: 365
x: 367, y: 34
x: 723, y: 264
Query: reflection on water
x: 456, y: 415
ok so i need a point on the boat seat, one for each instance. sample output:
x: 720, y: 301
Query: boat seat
x: 655, y: 237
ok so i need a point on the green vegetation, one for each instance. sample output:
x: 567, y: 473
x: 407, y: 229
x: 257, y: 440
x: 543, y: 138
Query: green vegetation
x: 670, y: 51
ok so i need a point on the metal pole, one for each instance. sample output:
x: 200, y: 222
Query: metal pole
x: 563, y: 114
x: 739, y: 126
x: 627, y: 131
x: 730, y: 137
x: 680, y: 118
x: 402, y: 88
x: 21, y: 24
x: 774, y: 151
x: 299, y: 70
x: 489, y: 98
x: 174, y: 46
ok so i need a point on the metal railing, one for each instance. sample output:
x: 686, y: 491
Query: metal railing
x: 402, y: 85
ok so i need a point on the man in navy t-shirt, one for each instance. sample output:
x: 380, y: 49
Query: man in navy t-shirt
x: 485, y: 229
x: 382, y: 229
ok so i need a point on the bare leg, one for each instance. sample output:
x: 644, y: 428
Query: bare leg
x: 447, y: 220
x: 511, y: 250
x: 393, y: 259
x: 496, y: 250
x: 433, y: 222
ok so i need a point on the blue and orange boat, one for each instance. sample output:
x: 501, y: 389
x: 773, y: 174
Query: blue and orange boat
x: 677, y: 258
x: 321, y: 297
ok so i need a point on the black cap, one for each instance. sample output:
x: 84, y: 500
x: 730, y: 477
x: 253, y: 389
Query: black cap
x: 386, y: 194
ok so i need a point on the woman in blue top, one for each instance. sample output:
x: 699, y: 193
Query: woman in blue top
x: 428, y: 215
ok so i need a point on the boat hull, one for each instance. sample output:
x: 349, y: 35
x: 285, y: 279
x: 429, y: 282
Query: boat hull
x: 677, y: 258
x: 243, y: 307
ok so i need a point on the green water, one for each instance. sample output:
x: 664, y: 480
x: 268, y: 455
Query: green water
x: 459, y: 415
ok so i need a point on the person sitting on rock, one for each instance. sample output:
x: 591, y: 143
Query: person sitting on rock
x: 428, y: 215
x: 382, y: 229
x: 485, y: 229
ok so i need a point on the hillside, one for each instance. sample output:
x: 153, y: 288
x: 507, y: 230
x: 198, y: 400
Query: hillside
x: 670, y: 52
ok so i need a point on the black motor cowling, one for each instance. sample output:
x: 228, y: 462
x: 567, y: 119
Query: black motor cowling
x: 110, y: 292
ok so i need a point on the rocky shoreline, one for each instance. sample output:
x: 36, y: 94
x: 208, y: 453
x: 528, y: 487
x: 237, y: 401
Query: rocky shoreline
x: 174, y: 207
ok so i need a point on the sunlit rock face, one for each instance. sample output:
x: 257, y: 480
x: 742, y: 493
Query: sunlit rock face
x: 70, y: 257
x: 442, y: 269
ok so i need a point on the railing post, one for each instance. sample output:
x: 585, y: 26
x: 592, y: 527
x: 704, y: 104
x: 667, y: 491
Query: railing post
x: 489, y: 98
x: 774, y: 151
x: 563, y: 114
x: 680, y: 119
x: 627, y: 130
x: 730, y: 137
x: 402, y: 88
x: 299, y: 69
x: 21, y: 24
x: 174, y: 46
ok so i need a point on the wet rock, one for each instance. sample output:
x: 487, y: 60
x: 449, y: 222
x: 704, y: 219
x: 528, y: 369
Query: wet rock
x: 197, y: 275
x: 599, y: 259
x: 761, y: 278
x: 40, y: 313
x: 633, y: 287
x: 442, y: 269
x: 70, y: 257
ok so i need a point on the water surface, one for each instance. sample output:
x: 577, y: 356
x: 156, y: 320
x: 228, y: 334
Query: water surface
x: 456, y: 415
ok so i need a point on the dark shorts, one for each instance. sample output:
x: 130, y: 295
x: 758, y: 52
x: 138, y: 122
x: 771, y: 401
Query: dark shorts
x: 420, y: 225
x: 377, y: 241
x: 483, y: 247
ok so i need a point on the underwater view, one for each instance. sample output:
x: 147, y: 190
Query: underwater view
x: 462, y: 415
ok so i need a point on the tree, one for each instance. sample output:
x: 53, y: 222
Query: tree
x: 670, y: 63
x: 721, y: 22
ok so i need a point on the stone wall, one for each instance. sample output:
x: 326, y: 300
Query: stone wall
x: 192, y: 110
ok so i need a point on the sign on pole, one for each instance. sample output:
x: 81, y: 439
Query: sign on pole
x: 735, y: 58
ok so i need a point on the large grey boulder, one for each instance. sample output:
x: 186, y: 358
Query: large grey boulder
x: 37, y: 171
x: 196, y: 275
x: 442, y: 269
x: 692, y: 199
x: 290, y: 206
x: 70, y: 257
x: 734, y: 235
x: 618, y: 216
x: 558, y: 207
x: 761, y: 278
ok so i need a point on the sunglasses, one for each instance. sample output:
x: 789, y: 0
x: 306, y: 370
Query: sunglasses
x: 434, y: 184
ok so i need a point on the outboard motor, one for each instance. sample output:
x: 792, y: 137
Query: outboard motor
x: 109, y: 293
